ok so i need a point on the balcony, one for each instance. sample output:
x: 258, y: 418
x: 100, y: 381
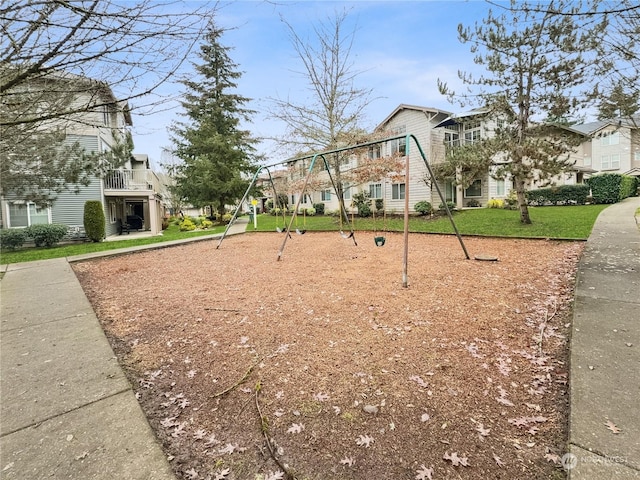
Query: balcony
x: 131, y: 181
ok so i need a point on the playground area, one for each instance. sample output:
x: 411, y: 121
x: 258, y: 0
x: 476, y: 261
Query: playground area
x: 323, y: 366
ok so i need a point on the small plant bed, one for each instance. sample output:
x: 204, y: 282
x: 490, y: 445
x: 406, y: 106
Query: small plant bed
x: 321, y: 366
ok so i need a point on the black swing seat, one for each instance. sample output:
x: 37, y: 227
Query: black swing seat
x: 379, y: 241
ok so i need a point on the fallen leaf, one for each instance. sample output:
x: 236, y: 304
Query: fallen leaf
x: 612, y: 426
x: 424, y: 473
x: 456, y: 460
x: 279, y: 475
x: 364, y: 441
x: 499, y: 462
x: 295, y: 428
x: 348, y: 461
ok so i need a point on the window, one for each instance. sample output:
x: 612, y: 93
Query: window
x: 374, y: 151
x: 293, y: 199
x: 610, y: 162
x: 346, y: 191
x: 500, y: 187
x: 375, y: 190
x: 610, y: 138
x: 112, y: 212
x: 615, y: 161
x: 326, y: 195
x: 450, y: 192
x: 472, y: 132
x: 397, y: 191
x: 474, y: 190
x: 27, y: 214
x: 399, y: 145
x: 637, y: 156
x: 452, y: 139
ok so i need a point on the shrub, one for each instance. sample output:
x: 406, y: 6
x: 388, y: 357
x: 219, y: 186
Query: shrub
x: 310, y: 211
x: 451, y: 205
x: 423, y: 207
x: 94, y: 220
x: 363, y: 203
x: 511, y: 202
x: 562, y: 195
x: 611, y: 187
x: 187, y: 225
x: 495, y: 203
x: 46, y: 235
x: 473, y: 203
x: 226, y: 218
x: 319, y: 208
x: 628, y: 187
x: 12, y: 238
x: 165, y: 223
x: 379, y: 204
x: 206, y: 224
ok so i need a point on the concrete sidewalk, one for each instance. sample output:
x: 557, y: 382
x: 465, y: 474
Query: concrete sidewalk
x: 67, y: 409
x: 605, y: 351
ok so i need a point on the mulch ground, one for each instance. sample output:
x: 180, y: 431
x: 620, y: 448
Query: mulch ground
x: 322, y: 366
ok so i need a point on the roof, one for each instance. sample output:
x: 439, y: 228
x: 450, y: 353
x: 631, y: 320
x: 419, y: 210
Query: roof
x: 404, y: 106
x: 591, y: 127
x: 458, y: 117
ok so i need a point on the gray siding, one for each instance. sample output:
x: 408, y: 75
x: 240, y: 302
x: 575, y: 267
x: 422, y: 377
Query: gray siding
x: 68, y: 208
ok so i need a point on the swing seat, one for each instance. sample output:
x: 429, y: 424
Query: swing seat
x: 300, y: 232
x: 379, y: 241
x: 345, y: 235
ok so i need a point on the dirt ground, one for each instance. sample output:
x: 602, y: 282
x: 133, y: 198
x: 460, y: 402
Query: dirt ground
x: 322, y: 366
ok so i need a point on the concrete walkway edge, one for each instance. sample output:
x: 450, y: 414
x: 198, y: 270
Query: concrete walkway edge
x: 604, y: 427
x: 67, y: 409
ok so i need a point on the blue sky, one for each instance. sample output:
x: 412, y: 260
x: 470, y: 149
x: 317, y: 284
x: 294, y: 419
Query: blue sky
x: 401, y: 48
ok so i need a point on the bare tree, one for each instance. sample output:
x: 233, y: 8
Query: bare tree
x: 133, y: 47
x: 65, y: 63
x: 335, y: 114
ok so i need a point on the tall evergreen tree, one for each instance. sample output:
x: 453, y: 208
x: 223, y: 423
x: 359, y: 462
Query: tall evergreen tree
x: 213, y: 147
x: 538, y: 64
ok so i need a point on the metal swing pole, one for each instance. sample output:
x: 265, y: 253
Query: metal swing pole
x: 405, y: 256
x: 343, y: 209
x: 446, y: 207
x: 295, y: 210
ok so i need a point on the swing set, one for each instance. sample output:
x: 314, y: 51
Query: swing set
x: 346, y: 234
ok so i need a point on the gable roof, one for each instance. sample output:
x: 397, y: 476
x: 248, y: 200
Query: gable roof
x: 454, y: 119
x: 592, y: 127
x: 404, y: 106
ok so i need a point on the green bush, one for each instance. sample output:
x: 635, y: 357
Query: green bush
x: 187, y: 225
x: 309, y: 211
x: 379, y: 204
x: 562, y: 195
x: 628, y: 187
x: 612, y: 187
x: 363, y: 203
x: 46, y: 235
x: 495, y: 203
x: 423, y: 207
x: 276, y: 211
x: 319, y: 208
x: 12, y: 238
x: 206, y: 224
x: 226, y: 218
x: 473, y: 203
x: 451, y: 205
x: 94, y: 220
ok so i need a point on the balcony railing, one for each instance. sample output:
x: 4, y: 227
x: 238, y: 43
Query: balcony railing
x: 132, y: 180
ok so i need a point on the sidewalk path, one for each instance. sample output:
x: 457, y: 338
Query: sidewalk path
x: 67, y: 410
x: 605, y: 350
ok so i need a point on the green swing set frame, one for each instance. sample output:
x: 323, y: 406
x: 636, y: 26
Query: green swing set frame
x: 322, y: 155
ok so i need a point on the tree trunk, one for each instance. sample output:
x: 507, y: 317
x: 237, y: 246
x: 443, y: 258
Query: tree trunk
x: 522, y: 202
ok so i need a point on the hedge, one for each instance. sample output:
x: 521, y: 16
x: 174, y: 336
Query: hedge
x: 612, y: 187
x: 561, y: 195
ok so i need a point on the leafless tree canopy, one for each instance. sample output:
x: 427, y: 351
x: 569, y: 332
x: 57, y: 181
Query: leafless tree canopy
x: 133, y: 47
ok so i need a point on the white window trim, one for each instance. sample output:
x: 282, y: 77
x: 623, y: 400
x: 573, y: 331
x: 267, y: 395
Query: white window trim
x: 371, y: 190
x: 27, y: 204
x: 401, y: 192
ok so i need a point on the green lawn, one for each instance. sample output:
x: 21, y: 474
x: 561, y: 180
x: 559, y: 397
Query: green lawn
x: 573, y: 222
x: 30, y: 254
x: 548, y: 222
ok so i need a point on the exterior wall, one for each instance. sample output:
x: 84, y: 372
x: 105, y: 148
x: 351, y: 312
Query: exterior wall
x: 621, y: 149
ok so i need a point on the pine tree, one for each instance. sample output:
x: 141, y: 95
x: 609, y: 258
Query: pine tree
x: 537, y: 65
x: 213, y: 147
